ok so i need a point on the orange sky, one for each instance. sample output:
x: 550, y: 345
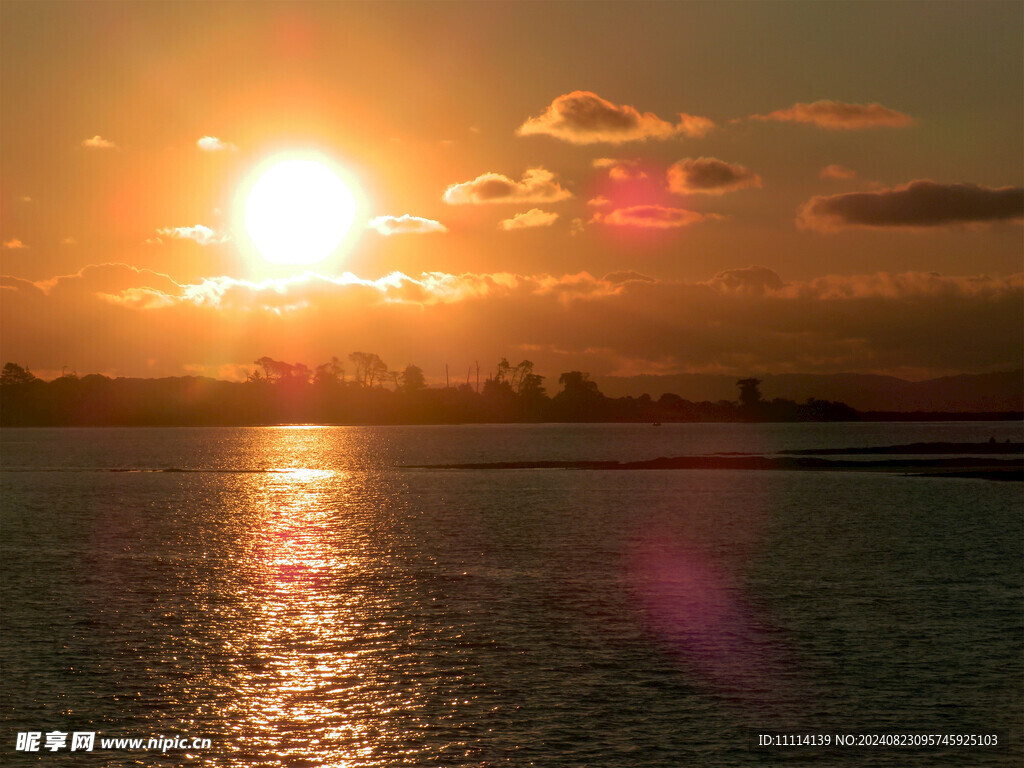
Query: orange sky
x: 619, y: 188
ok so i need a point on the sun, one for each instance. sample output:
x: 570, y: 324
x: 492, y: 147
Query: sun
x: 298, y: 211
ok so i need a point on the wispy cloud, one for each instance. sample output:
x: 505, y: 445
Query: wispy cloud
x: 98, y: 142
x: 837, y: 172
x: 14, y: 244
x: 213, y: 144
x: 405, y: 225
x: 583, y: 117
x: 535, y: 217
x: 620, y: 170
x: 709, y: 176
x: 919, y: 204
x: 652, y: 217
x: 199, y: 233
x: 537, y: 186
x: 739, y: 320
x: 839, y: 116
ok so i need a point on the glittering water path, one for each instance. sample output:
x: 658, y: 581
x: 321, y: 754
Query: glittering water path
x: 310, y: 603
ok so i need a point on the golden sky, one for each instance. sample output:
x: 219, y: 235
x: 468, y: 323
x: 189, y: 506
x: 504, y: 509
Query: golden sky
x: 619, y: 188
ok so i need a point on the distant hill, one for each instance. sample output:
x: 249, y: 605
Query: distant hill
x: 1002, y: 391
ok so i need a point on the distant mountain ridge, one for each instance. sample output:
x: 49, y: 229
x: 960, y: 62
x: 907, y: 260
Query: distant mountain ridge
x: 966, y: 393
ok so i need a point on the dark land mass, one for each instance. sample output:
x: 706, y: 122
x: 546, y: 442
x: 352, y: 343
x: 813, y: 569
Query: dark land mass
x: 283, y: 393
x: 966, y: 393
x: 941, y: 415
x: 981, y: 474
x: 1000, y: 469
x: 990, y: 447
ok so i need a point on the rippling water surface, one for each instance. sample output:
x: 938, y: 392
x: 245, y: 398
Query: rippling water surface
x: 299, y: 596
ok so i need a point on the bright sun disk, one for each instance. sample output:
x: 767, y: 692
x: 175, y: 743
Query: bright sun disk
x: 298, y: 212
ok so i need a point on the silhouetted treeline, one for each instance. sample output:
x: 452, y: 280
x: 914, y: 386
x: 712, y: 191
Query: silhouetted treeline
x: 284, y: 393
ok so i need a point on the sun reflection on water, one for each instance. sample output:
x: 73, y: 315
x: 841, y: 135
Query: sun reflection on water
x: 302, y: 666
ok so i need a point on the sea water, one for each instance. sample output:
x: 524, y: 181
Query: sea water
x: 302, y: 596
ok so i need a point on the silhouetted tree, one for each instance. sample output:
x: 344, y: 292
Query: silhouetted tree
x: 329, y: 373
x: 369, y: 368
x: 14, y: 374
x: 579, y: 399
x: 504, y: 372
x: 750, y: 392
x: 412, y: 379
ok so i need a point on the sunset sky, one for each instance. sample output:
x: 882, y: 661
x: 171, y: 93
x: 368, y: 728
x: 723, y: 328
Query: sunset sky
x: 619, y: 188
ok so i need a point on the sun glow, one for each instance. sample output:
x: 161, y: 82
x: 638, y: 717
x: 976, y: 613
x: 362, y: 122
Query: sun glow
x: 298, y: 211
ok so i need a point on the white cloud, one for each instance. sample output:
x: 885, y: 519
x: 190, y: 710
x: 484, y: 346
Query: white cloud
x: 535, y: 217
x: 405, y: 225
x: 583, y: 117
x: 199, y: 233
x: 537, y: 186
x: 213, y: 144
x: 14, y: 244
x: 98, y: 142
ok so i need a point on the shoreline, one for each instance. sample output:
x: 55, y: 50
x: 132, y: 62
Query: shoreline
x: 808, y: 460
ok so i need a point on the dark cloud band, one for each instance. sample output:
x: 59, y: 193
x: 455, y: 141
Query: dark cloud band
x: 921, y: 203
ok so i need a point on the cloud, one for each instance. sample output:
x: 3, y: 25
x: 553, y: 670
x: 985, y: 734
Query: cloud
x: 213, y: 144
x: 599, y: 202
x: 14, y: 244
x: 405, y: 225
x: 25, y: 199
x: 739, y: 321
x: 839, y: 116
x: 709, y: 176
x: 625, y: 276
x: 535, y: 217
x: 694, y: 126
x: 753, y: 281
x: 837, y: 172
x: 620, y: 170
x: 583, y: 117
x: 537, y: 186
x: 69, y: 241
x: 199, y: 233
x: 919, y: 204
x: 98, y: 142
x: 652, y: 217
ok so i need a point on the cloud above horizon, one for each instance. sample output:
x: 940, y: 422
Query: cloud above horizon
x: 652, y: 217
x: 919, y: 204
x: 98, y: 142
x: 537, y: 186
x: 213, y: 144
x: 583, y: 117
x: 14, y: 244
x: 405, y: 225
x: 839, y: 116
x: 740, y: 320
x: 837, y: 172
x: 200, y: 234
x: 709, y: 176
x: 534, y: 217
x: 620, y: 170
